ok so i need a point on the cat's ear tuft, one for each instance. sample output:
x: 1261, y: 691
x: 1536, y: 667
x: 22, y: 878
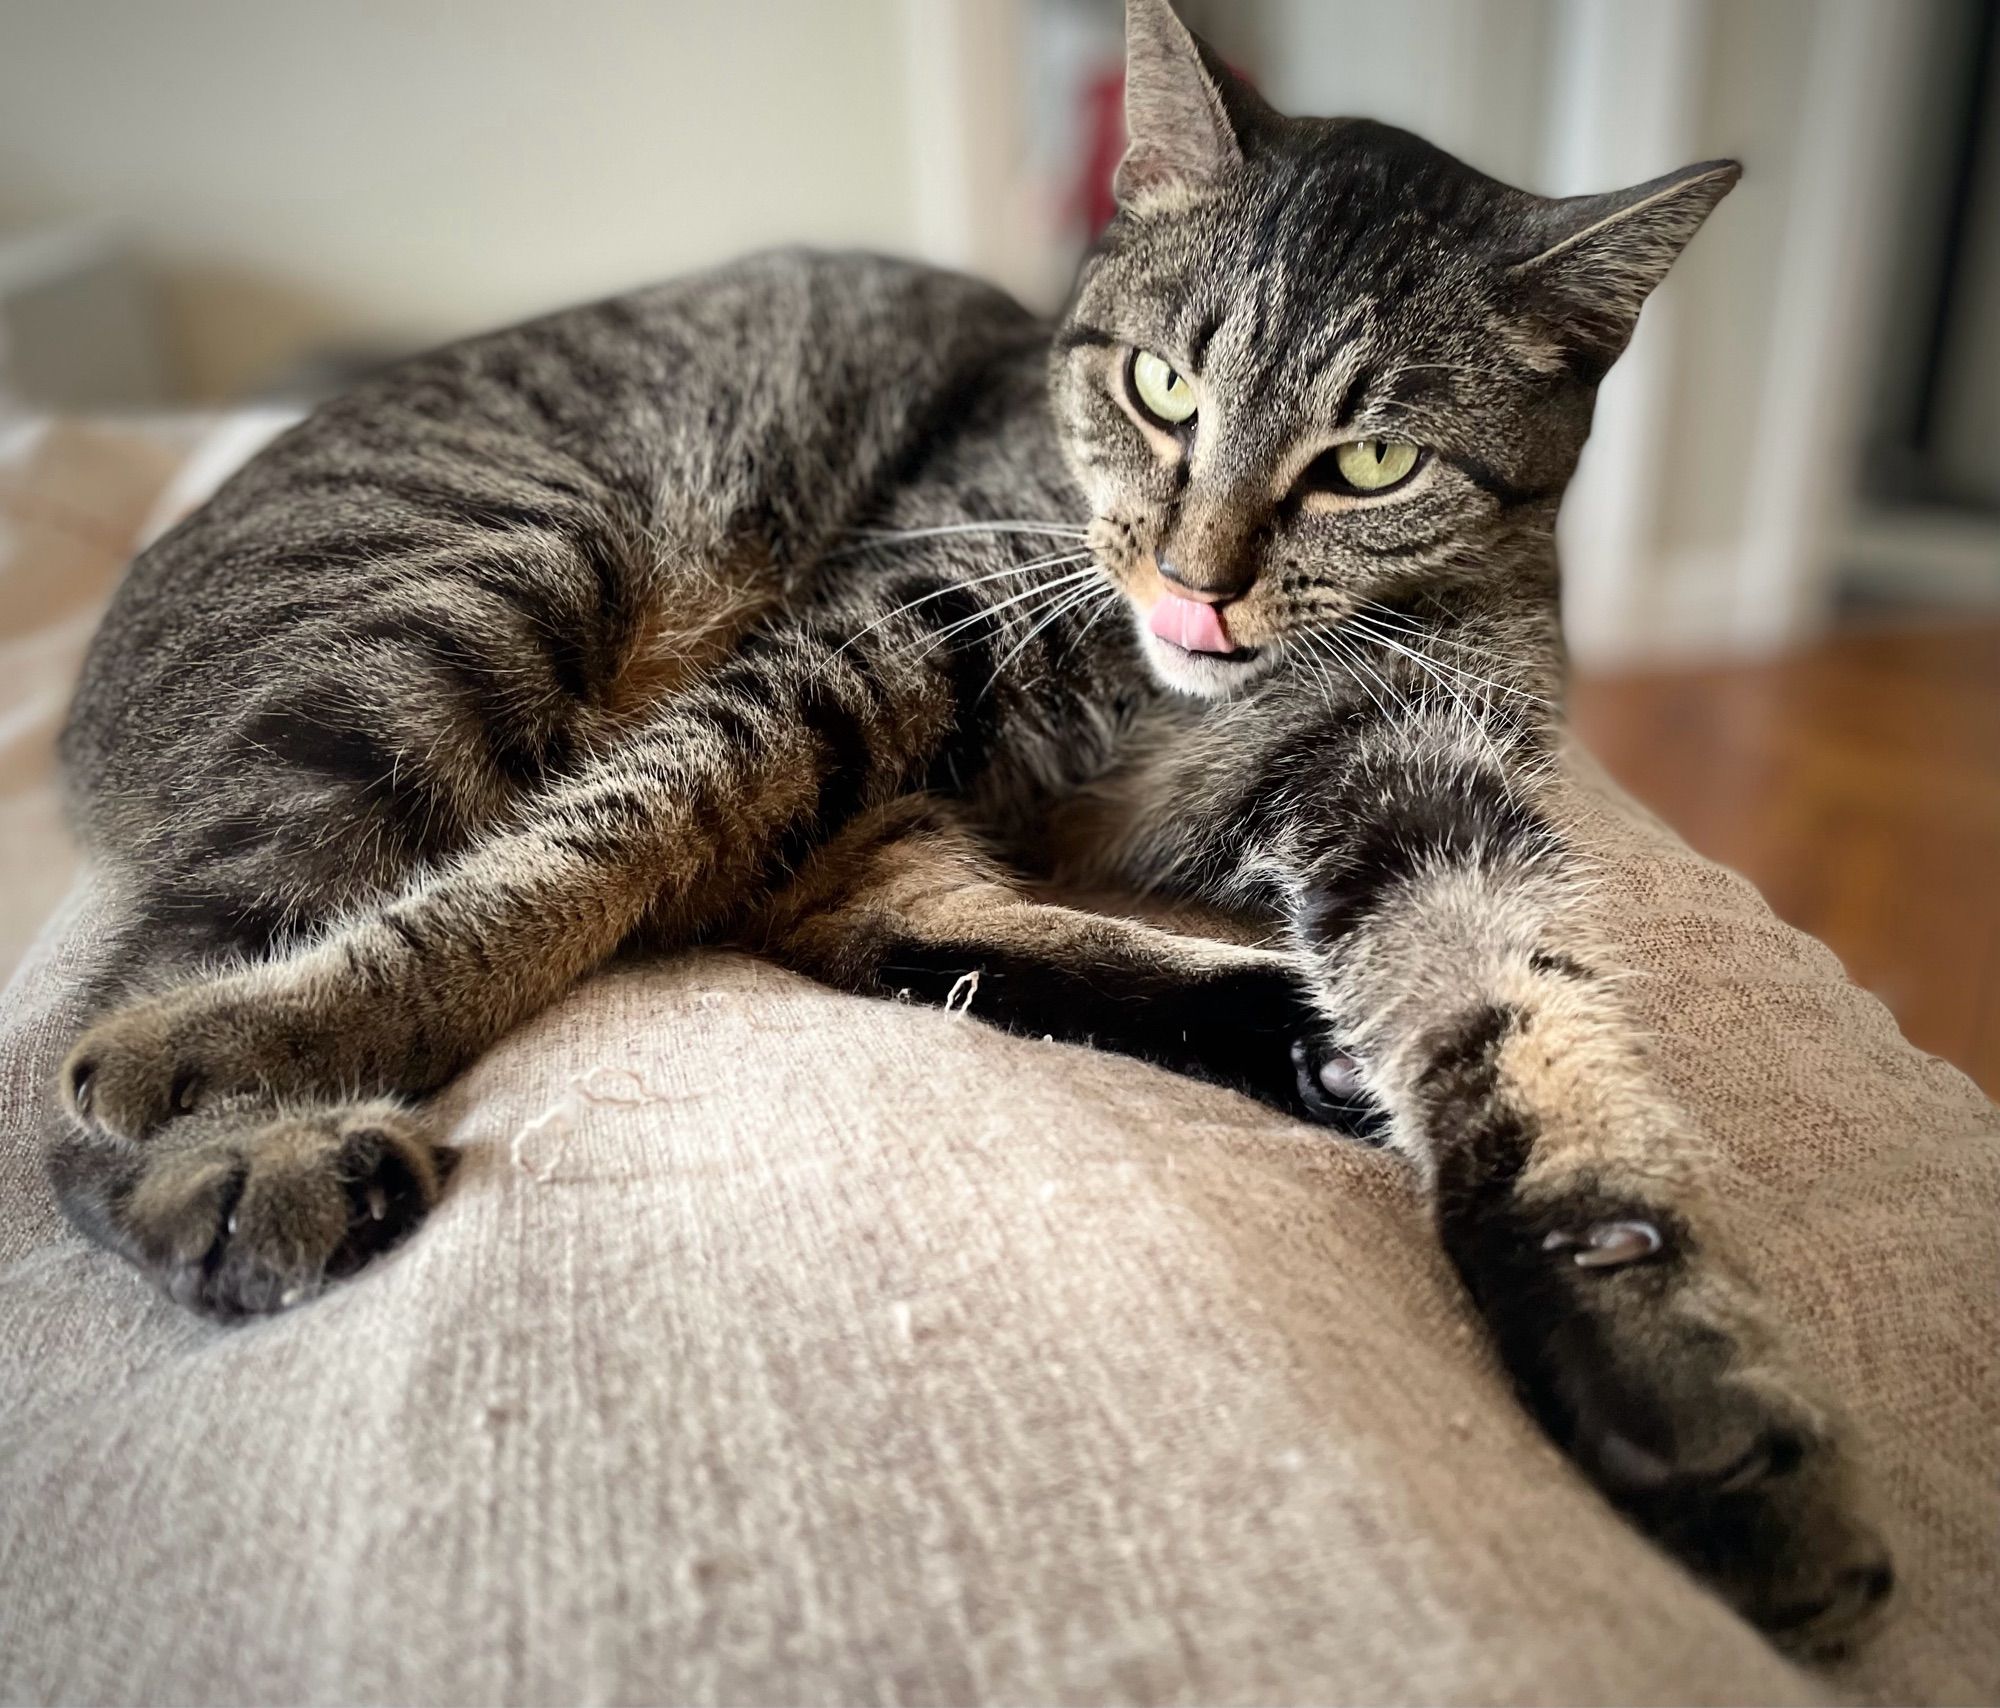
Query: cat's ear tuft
x: 1184, y: 111
x: 1597, y: 258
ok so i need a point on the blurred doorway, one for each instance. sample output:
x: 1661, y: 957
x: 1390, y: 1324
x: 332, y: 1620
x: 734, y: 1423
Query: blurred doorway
x: 1926, y: 528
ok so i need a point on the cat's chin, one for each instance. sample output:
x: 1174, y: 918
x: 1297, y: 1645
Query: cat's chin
x: 1204, y: 675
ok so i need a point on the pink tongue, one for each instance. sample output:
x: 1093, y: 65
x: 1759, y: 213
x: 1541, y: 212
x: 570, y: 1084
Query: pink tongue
x: 1190, y: 623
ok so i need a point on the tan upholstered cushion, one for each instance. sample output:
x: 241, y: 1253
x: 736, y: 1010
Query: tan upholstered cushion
x: 777, y: 1346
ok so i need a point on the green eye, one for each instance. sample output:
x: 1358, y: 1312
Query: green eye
x: 1375, y: 465
x: 1161, y: 394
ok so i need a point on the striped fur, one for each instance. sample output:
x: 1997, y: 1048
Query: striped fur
x: 802, y: 605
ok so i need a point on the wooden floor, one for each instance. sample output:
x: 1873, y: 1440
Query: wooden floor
x: 1858, y: 786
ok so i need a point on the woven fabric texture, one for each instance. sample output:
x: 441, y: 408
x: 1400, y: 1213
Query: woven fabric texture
x: 778, y: 1346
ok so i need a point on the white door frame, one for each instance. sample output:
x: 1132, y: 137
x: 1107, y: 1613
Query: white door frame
x: 1627, y: 105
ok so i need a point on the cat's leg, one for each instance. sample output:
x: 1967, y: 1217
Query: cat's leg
x: 1571, y: 1194
x: 668, y: 833
x: 696, y: 810
x: 908, y: 903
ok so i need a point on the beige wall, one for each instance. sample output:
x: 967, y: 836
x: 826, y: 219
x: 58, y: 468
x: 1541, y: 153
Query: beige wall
x: 1471, y: 76
x: 369, y: 171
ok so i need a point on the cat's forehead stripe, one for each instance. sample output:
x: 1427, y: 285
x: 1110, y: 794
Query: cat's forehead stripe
x: 1352, y: 394
x: 1199, y: 340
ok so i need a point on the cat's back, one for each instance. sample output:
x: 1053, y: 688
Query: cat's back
x: 769, y: 370
x: 458, y: 557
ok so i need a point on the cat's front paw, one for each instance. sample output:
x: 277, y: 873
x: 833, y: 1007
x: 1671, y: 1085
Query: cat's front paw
x: 250, y: 1214
x: 1654, y: 1367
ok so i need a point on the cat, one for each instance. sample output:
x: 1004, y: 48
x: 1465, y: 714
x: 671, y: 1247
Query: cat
x: 808, y: 604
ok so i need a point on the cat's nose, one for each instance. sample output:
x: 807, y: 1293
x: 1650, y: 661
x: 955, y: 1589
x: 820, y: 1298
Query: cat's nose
x: 1211, y: 589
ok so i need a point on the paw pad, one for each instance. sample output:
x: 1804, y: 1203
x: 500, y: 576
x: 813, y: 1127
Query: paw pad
x: 1607, y: 1245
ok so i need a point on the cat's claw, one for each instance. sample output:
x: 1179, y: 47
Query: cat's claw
x: 1607, y: 1245
x: 1331, y: 1091
x: 155, y: 1063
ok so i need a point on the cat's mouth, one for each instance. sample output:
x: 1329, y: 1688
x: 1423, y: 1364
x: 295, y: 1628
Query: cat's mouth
x: 1235, y: 655
x: 1193, y: 625
x: 1193, y: 646
x: 1190, y: 648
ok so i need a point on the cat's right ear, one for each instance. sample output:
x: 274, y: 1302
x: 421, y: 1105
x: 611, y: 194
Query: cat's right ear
x: 1597, y: 258
x: 1185, y: 112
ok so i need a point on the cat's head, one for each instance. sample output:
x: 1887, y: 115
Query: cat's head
x: 1318, y: 363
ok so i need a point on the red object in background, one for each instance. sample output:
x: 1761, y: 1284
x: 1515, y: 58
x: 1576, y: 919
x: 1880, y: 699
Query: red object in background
x: 1103, y: 147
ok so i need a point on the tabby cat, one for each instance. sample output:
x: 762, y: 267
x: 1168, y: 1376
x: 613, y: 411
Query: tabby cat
x: 810, y: 604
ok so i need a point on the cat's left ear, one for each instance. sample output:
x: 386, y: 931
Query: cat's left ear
x: 1599, y: 257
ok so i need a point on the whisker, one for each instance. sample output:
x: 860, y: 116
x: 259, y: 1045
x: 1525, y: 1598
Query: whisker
x: 1322, y: 673
x: 1062, y: 608
x: 969, y: 581
x: 1040, y: 590
x: 1360, y: 672
x: 1343, y: 647
x: 945, y: 530
x: 1476, y: 725
x: 1409, y: 625
x: 1392, y: 702
x: 1361, y: 623
x: 1111, y: 600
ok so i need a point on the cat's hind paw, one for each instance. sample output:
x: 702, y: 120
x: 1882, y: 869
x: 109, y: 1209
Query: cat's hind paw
x: 246, y: 1219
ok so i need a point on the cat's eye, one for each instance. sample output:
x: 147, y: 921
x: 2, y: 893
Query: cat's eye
x: 1363, y: 468
x: 1375, y: 465
x: 1163, y: 396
